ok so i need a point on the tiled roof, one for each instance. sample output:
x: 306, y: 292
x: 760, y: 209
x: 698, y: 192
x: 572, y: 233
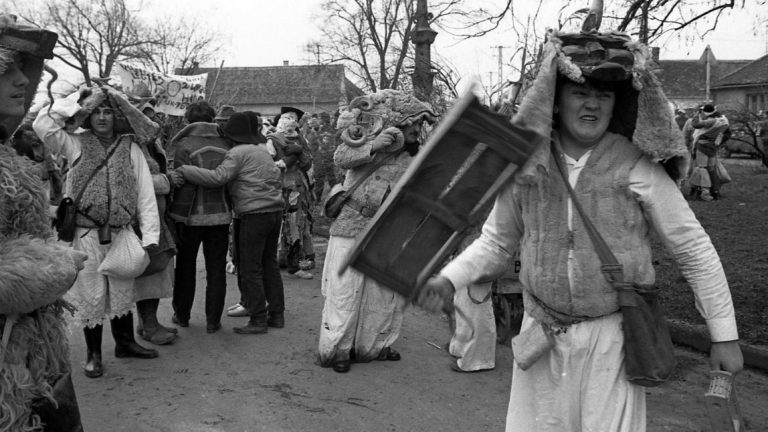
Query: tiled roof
x: 688, y: 78
x: 279, y: 85
x: 754, y: 73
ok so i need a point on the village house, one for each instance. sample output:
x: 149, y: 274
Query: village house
x: 311, y: 88
x: 745, y: 89
x: 685, y: 81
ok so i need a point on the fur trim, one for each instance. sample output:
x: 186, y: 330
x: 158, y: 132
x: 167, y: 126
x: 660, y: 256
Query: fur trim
x: 35, y: 273
x: 23, y: 207
x: 655, y: 133
x: 36, y: 356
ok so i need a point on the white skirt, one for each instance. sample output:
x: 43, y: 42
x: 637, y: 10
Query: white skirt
x: 97, y: 297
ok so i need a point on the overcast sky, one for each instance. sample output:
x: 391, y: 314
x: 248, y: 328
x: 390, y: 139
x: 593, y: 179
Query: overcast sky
x: 267, y: 32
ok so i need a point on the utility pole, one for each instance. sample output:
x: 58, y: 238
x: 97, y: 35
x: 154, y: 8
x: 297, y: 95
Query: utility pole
x: 422, y: 39
x: 500, y: 54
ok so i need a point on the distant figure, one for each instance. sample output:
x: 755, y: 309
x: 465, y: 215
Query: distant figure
x: 710, y: 128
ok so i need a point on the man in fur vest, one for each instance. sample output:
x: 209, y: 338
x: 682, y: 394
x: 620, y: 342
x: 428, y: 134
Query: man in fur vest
x: 35, y: 270
x: 602, y: 113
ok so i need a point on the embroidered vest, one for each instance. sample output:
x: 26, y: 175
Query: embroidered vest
x: 111, y: 196
x: 603, y: 191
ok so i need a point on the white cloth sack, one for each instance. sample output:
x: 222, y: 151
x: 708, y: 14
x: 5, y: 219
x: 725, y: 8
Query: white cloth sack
x: 126, y: 259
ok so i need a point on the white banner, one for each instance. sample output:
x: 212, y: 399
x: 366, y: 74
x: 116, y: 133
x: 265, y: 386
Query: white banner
x: 173, y: 92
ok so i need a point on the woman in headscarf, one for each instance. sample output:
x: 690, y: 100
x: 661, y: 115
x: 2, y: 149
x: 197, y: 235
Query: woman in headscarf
x: 110, y: 174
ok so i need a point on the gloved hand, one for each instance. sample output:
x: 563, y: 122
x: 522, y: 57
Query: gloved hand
x: 389, y: 140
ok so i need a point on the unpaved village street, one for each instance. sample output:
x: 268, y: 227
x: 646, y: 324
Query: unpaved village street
x: 226, y: 382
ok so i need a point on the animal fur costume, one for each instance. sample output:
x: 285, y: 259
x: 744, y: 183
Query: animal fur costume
x: 35, y: 270
x: 649, y: 124
x: 358, y: 313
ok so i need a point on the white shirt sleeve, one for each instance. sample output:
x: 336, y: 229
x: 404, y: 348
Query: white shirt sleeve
x: 489, y: 256
x: 149, y: 219
x: 49, y: 127
x: 682, y: 234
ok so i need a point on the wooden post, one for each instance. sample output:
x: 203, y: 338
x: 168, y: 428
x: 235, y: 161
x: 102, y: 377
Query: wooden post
x: 215, y: 80
x: 422, y: 39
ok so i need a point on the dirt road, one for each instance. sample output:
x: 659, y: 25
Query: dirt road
x: 227, y: 382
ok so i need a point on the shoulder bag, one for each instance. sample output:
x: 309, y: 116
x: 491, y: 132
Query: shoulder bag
x: 67, y: 210
x: 339, y: 195
x: 649, y: 356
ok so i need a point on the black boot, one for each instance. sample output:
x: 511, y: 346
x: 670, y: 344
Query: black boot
x: 151, y: 330
x: 93, y: 366
x: 125, y: 343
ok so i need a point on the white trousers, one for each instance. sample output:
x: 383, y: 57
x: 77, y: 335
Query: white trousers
x: 578, y: 386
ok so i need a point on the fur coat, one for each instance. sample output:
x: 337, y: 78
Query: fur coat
x: 35, y: 271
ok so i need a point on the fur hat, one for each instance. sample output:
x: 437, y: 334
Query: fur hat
x: 225, y: 112
x: 35, y: 45
x: 128, y: 118
x: 646, y: 118
x: 366, y: 116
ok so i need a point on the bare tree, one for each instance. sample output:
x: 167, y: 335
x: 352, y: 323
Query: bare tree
x: 751, y: 130
x: 373, y: 37
x: 181, y: 45
x: 92, y: 34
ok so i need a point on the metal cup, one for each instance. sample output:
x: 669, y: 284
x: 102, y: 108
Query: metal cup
x: 105, y: 235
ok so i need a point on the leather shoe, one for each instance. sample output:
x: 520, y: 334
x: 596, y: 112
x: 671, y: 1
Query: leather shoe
x: 251, y: 328
x: 133, y: 349
x: 212, y: 328
x: 276, y: 320
x: 389, y: 354
x: 342, y: 366
x: 179, y: 322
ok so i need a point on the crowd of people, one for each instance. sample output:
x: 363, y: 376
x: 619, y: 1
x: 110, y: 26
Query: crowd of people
x: 245, y: 188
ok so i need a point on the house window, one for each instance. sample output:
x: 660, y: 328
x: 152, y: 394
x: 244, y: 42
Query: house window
x: 757, y: 101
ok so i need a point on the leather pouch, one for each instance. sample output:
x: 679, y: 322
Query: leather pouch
x: 531, y: 344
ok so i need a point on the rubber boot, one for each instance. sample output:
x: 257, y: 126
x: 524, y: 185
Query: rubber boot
x: 151, y: 330
x: 94, y: 368
x: 140, y: 324
x: 125, y: 343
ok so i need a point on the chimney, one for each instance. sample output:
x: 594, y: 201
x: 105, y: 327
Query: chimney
x: 285, y: 62
x: 655, y: 54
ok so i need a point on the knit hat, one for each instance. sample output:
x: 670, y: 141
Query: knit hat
x: 645, y: 117
x: 34, y: 44
x: 225, y: 112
